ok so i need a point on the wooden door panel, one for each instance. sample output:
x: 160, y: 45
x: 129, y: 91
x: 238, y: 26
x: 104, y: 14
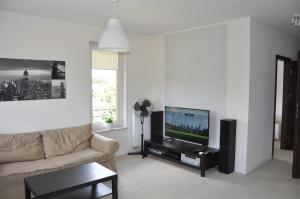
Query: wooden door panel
x: 289, y: 105
x: 296, y: 160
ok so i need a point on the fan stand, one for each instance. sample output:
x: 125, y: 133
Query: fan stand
x: 141, y: 152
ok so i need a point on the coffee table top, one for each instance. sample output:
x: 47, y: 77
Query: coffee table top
x: 68, y: 179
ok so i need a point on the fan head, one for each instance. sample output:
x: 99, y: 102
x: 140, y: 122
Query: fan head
x: 142, y: 108
x: 137, y: 106
x: 144, y: 112
x: 146, y: 103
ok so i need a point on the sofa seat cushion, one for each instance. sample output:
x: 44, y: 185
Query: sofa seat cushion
x: 66, y: 140
x: 20, y: 147
x: 12, y: 174
x: 29, y: 168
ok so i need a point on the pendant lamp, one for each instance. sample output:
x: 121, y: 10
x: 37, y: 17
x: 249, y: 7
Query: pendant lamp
x: 114, y: 38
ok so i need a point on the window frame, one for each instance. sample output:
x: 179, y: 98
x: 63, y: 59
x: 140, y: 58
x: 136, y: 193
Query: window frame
x: 121, y: 116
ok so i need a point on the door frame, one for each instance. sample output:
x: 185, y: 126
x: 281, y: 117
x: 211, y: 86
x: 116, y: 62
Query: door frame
x: 278, y: 57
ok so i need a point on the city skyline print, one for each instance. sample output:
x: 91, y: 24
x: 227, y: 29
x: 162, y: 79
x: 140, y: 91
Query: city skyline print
x: 24, y: 79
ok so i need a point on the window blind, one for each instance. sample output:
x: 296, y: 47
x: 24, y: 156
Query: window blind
x: 104, y: 60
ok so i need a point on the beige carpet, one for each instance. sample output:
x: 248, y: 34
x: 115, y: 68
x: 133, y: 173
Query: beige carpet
x: 284, y: 155
x: 153, y: 178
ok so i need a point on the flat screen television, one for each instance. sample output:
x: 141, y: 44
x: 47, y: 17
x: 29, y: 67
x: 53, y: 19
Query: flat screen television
x: 187, y: 124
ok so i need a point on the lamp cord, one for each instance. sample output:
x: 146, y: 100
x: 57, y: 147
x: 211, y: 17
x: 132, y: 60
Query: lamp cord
x: 114, y: 4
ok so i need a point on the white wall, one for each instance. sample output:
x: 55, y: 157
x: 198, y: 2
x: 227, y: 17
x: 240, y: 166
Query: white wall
x: 28, y: 37
x: 266, y: 43
x: 156, y: 71
x: 209, y: 68
x: 237, y: 98
x: 145, y: 77
x: 228, y: 69
x: 195, y: 73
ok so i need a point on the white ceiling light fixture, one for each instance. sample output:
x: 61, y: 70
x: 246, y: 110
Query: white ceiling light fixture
x: 296, y: 20
x: 114, y: 38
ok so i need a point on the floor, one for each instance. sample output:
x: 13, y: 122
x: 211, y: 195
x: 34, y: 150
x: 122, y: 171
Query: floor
x: 284, y: 155
x: 153, y: 178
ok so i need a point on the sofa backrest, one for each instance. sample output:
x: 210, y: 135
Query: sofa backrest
x: 20, y: 147
x: 67, y: 140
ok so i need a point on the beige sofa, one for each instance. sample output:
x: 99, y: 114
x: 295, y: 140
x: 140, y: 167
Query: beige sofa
x: 35, y: 153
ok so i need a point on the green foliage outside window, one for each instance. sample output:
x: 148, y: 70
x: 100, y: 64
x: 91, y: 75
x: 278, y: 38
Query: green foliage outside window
x: 104, y: 83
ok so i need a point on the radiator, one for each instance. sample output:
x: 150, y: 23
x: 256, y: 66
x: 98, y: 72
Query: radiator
x: 137, y: 129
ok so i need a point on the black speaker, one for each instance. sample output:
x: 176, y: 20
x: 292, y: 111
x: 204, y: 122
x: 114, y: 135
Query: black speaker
x: 157, y: 119
x: 227, y: 146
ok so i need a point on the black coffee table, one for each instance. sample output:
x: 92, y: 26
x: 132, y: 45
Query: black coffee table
x: 80, y: 182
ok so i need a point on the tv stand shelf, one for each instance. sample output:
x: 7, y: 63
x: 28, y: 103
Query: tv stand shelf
x: 172, y: 150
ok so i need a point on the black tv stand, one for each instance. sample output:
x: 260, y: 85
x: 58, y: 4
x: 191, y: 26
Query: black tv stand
x: 169, y: 139
x: 172, y: 151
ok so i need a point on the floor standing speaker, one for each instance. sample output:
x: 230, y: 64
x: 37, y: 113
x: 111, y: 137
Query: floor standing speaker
x: 157, y: 118
x: 227, y: 146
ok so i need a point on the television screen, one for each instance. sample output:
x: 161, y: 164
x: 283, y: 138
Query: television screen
x: 187, y: 124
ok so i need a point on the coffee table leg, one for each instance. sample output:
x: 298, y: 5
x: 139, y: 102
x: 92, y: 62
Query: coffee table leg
x: 94, y: 190
x: 115, y: 188
x: 27, y: 192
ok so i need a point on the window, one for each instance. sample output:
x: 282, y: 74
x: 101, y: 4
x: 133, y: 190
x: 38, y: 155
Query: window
x: 107, y: 89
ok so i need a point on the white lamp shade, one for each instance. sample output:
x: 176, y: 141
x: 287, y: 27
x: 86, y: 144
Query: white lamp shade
x: 114, y: 38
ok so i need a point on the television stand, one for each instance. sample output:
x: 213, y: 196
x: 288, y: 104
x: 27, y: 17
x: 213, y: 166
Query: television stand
x: 169, y: 139
x: 172, y: 151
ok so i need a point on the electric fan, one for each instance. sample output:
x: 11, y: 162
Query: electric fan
x: 142, y: 112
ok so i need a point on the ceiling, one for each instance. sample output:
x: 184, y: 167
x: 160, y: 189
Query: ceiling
x: 160, y: 16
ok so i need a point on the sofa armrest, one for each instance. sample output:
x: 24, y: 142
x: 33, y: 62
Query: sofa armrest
x: 104, y: 144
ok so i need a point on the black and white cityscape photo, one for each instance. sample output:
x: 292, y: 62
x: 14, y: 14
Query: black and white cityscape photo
x: 22, y: 79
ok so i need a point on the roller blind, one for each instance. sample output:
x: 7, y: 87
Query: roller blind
x: 104, y: 60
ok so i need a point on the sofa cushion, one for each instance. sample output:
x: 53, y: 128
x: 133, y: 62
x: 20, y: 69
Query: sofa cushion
x: 20, y: 147
x: 12, y: 174
x: 67, y: 140
x: 41, y: 166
